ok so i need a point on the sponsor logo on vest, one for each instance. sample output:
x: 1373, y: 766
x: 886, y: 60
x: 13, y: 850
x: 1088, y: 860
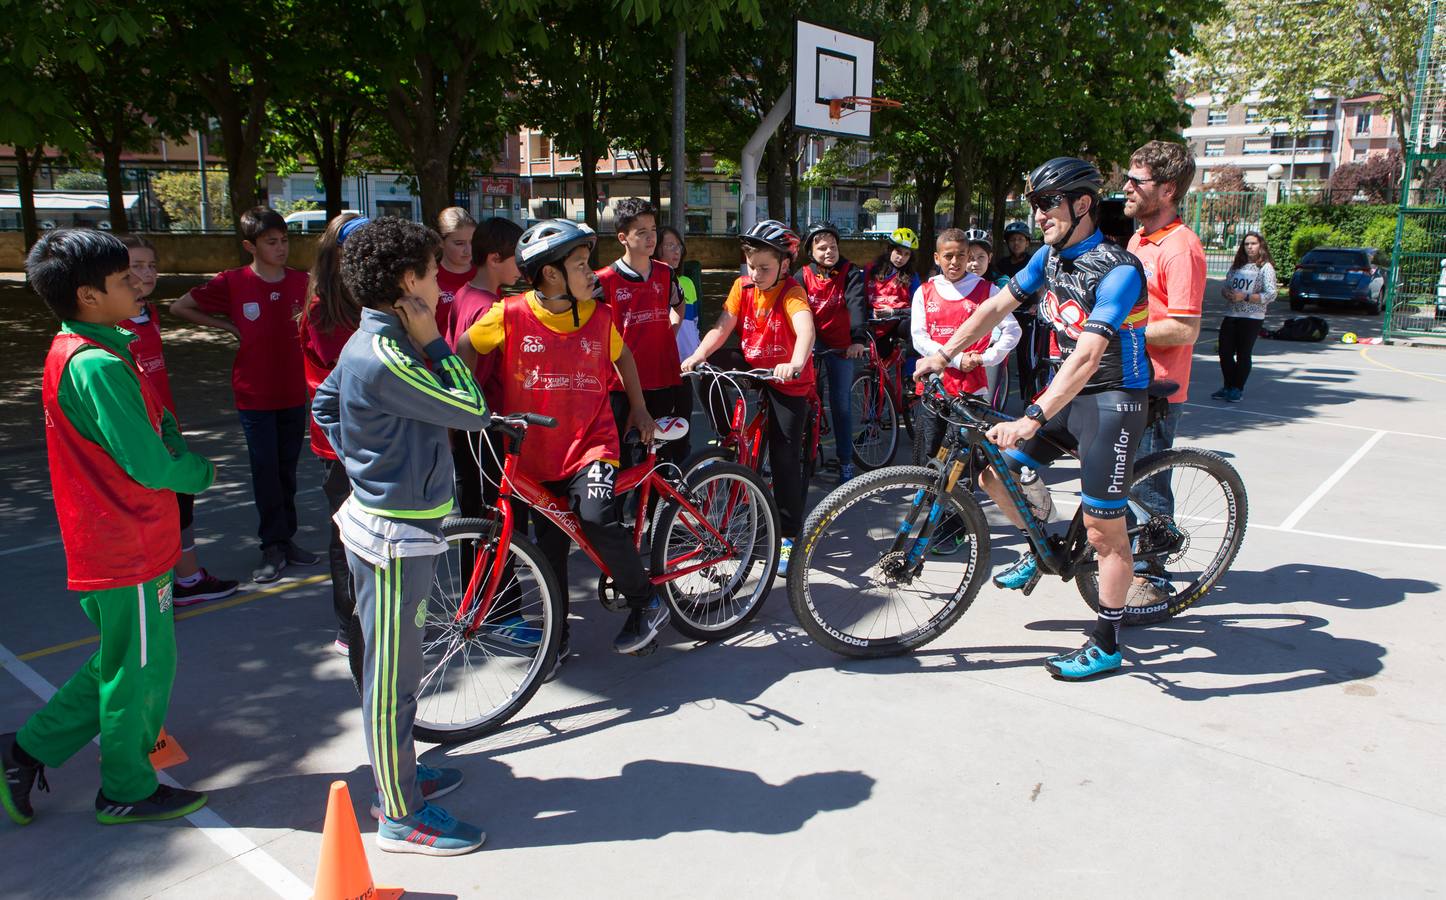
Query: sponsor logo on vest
x: 590, y: 347
x: 585, y: 382
x: 445, y: 297
x: 623, y: 294
x: 533, y: 344
x: 556, y: 382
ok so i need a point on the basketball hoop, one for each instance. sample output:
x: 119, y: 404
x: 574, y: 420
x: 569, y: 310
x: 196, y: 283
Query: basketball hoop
x: 847, y: 106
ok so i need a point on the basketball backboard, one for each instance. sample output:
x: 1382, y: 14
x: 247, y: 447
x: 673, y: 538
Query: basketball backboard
x: 831, y: 65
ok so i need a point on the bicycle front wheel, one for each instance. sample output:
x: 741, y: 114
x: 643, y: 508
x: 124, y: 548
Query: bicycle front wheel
x: 716, y: 601
x: 862, y: 580
x: 472, y: 684
x: 1187, y: 511
x: 876, y: 422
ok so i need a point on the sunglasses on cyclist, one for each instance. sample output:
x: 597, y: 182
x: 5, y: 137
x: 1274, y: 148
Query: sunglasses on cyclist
x: 1137, y: 181
x: 1046, y: 202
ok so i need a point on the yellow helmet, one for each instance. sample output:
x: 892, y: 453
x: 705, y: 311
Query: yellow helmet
x: 904, y: 237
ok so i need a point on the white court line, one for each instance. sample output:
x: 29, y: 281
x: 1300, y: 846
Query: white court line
x: 1251, y: 412
x: 237, y: 505
x: 1344, y: 537
x: 237, y: 846
x: 1325, y: 486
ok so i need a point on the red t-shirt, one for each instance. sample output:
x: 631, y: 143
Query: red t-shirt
x: 1174, y: 264
x: 467, y: 307
x: 267, y: 373
x: 450, y: 283
x: 320, y: 350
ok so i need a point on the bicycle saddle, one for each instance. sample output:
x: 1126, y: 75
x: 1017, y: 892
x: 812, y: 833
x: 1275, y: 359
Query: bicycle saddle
x: 1163, y: 388
x: 671, y: 428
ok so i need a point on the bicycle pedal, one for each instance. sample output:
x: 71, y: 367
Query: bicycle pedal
x: 1031, y: 583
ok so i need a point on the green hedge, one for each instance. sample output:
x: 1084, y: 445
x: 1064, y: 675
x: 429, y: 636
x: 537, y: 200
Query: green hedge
x: 1279, y: 224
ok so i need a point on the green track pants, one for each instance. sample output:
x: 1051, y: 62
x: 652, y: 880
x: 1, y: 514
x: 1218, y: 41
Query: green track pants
x: 121, y: 693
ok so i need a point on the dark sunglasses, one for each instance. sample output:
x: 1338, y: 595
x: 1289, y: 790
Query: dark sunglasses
x: 1137, y: 181
x: 1046, y: 202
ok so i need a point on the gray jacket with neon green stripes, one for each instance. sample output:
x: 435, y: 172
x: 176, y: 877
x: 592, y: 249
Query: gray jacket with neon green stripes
x: 386, y: 414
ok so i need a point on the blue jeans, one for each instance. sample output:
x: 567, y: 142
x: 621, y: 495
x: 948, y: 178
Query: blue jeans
x: 273, y: 442
x: 839, y: 375
x: 1155, y: 492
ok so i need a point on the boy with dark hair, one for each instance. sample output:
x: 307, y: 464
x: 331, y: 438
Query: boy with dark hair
x: 647, y: 310
x: 259, y: 305
x: 116, y: 459
x: 386, y: 414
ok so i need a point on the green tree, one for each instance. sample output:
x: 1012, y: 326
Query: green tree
x: 179, y: 194
x: 1286, y: 52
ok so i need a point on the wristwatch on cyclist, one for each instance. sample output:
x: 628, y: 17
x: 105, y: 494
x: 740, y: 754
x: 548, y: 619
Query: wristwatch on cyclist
x: 1033, y: 411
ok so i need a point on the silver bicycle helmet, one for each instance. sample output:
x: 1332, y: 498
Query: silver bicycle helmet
x: 548, y: 243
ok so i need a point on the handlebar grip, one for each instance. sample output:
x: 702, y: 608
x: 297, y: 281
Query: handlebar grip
x: 539, y: 420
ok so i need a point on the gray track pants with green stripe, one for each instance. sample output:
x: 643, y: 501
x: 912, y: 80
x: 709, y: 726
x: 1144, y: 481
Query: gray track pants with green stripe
x: 390, y: 601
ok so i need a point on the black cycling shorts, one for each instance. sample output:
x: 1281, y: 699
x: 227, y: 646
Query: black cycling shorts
x: 1105, y: 428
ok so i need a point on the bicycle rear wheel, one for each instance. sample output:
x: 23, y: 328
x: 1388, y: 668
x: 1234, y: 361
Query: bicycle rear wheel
x: 473, y: 684
x: 1190, y: 549
x: 715, y: 602
x: 862, y: 582
x: 876, y: 422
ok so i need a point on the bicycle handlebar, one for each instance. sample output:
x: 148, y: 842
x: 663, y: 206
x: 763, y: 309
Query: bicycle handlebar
x: 710, y: 369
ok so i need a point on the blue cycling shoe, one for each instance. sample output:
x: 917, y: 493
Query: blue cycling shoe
x: 1017, y: 576
x: 1086, y: 662
x: 518, y: 632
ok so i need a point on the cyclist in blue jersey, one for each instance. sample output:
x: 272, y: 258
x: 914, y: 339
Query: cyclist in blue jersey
x: 1092, y: 293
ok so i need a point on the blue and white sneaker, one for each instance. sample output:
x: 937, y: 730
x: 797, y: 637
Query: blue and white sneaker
x: 433, y: 783
x: 1086, y: 662
x: 1017, y: 576
x: 642, y: 626
x: 430, y: 831
x: 518, y: 632
x: 785, y: 552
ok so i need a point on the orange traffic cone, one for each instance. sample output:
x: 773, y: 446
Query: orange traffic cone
x: 342, y: 872
x: 167, y: 752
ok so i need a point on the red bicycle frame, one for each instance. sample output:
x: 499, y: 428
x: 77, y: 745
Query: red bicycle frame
x: 492, y: 556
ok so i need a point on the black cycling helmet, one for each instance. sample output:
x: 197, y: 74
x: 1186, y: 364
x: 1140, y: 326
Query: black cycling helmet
x: 1064, y: 175
x: 548, y: 244
x: 1017, y: 228
x: 814, y: 232
x: 1067, y: 175
x: 772, y: 234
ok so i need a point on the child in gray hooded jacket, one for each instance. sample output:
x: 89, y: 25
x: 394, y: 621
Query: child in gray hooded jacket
x: 386, y: 413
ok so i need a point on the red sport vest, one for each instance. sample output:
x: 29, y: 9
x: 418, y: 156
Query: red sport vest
x: 826, y: 299
x: 944, y: 312
x: 641, y: 310
x: 891, y: 294
x: 768, y: 338
x: 146, y: 351
x: 319, y: 352
x: 116, y: 532
x: 564, y: 376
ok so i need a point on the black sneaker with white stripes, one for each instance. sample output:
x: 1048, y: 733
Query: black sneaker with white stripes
x: 22, y: 773
x: 166, y: 803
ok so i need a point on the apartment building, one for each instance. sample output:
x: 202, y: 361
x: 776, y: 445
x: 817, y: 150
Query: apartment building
x: 1337, y: 131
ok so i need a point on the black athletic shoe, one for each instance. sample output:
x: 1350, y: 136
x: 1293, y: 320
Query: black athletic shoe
x: 297, y: 556
x: 166, y: 803
x: 273, y: 560
x: 19, y: 779
x: 208, y: 588
x: 642, y: 626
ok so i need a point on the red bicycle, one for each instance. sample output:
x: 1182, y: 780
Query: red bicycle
x: 882, y: 398
x: 743, y: 438
x: 712, y: 543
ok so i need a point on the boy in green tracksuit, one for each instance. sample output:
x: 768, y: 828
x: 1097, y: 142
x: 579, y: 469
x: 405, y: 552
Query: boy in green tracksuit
x: 116, y: 457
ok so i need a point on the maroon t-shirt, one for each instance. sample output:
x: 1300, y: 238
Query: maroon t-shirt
x: 469, y: 304
x: 267, y: 373
x: 450, y: 283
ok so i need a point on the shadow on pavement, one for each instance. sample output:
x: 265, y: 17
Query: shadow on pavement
x: 1309, y: 583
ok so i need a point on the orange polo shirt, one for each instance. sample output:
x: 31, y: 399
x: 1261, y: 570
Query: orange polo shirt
x: 1174, y: 265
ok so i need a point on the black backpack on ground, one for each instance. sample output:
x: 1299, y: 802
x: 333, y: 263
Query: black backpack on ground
x: 1300, y: 328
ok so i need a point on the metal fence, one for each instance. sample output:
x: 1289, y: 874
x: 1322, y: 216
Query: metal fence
x: 1222, y: 219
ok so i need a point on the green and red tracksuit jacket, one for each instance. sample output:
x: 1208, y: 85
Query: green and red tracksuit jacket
x: 116, y: 460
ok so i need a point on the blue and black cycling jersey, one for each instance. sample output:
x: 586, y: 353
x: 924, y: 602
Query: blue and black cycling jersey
x: 1093, y: 287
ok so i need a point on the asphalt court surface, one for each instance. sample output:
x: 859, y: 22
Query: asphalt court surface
x: 1284, y: 737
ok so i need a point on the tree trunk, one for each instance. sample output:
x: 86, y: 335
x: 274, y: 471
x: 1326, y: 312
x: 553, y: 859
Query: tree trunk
x: 775, y: 162
x: 655, y: 188
x: 677, y: 168
x: 26, y: 162
x: 928, y: 202
x: 963, y: 177
x: 433, y: 182
x: 587, y: 163
x: 110, y: 166
x: 999, y: 196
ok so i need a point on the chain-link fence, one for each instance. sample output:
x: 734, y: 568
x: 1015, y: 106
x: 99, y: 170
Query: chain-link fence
x: 1222, y: 219
x: 1416, y: 292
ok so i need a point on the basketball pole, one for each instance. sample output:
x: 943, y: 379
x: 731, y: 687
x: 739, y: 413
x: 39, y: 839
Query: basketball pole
x: 752, y: 156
